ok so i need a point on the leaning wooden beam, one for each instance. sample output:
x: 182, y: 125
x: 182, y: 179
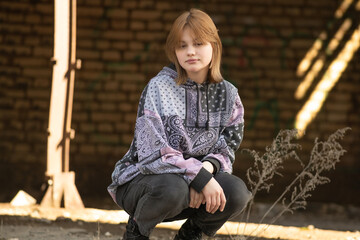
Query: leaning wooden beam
x: 61, y: 181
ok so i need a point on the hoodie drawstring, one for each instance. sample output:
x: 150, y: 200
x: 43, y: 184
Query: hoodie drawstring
x: 198, y: 106
x: 207, y: 107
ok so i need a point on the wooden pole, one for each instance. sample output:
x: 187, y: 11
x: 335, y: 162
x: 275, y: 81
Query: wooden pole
x: 61, y: 180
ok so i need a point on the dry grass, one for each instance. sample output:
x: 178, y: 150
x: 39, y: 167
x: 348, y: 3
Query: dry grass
x: 323, y: 157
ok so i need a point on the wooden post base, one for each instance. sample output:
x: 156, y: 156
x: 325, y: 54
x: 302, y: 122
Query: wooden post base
x: 62, y: 184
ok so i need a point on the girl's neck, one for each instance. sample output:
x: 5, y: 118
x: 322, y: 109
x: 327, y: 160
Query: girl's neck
x: 199, y: 77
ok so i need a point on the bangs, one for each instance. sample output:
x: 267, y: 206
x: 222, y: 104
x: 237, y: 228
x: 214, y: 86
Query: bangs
x: 201, y: 30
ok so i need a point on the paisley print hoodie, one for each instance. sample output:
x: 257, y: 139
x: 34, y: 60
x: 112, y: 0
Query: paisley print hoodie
x: 180, y: 126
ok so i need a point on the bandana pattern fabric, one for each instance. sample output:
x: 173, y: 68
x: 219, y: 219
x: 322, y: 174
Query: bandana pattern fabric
x: 178, y: 126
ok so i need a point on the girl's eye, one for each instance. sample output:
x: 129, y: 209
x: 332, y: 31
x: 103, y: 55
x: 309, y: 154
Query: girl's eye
x: 198, y: 44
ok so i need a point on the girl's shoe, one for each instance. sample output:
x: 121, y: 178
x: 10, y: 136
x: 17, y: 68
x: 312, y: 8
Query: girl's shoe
x: 189, y: 231
x: 132, y: 231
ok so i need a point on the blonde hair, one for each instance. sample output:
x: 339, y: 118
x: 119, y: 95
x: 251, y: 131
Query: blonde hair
x: 204, y: 30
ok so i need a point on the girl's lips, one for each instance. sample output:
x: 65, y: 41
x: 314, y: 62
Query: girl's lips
x: 191, y: 61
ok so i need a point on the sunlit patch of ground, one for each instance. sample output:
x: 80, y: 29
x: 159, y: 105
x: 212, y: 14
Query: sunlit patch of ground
x: 36, y: 222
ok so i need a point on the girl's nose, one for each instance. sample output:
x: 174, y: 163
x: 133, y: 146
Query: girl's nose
x: 191, y: 50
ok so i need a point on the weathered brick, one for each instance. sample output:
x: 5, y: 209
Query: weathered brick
x: 292, y: 11
x: 43, y: 51
x: 106, y: 117
x: 275, y: 10
x: 155, y: 25
x: 118, y: 35
x: 80, y: 116
x: 111, y: 55
x: 15, y: 6
x: 45, y: 8
x: 111, y: 85
x: 85, y: 43
x: 127, y: 138
x: 137, y: 25
x: 145, y: 14
x: 32, y: 41
x: 129, y: 4
x: 86, y: 33
x: 43, y: 29
x: 41, y: 104
x: 111, y: 97
x: 39, y: 115
x: 134, y: 97
x: 122, y: 67
x: 119, y: 24
x: 170, y: 16
x: 87, y: 54
x: 109, y: 106
x: 22, y: 148
x: 10, y: 70
x: 117, y: 13
x: 163, y: 5
x: 87, y: 148
x: 301, y: 43
x: 40, y: 72
x: 135, y: 77
x: 90, y: 12
x: 87, y: 127
x: 123, y: 127
x: 104, y: 149
x: 13, y: 39
x: 97, y: 3
x: 136, y: 45
x: 119, y: 45
x: 19, y: 50
x: 105, y: 127
x: 16, y: 28
x: 38, y: 93
x: 126, y: 107
x: 93, y: 65
x: 105, y: 138
x: 129, y: 86
x: 102, y: 44
x: 111, y: 3
x: 146, y: 4
x: 277, y: 21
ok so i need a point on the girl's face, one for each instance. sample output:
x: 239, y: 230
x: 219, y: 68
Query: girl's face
x: 194, y: 56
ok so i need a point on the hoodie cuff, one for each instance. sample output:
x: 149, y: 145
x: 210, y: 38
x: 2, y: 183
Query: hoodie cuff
x: 201, y: 179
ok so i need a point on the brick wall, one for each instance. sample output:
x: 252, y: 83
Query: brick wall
x: 121, y: 43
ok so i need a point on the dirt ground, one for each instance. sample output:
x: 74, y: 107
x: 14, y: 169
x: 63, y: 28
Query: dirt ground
x: 319, y: 221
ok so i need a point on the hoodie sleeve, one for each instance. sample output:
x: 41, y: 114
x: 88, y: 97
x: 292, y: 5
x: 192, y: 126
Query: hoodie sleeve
x: 155, y: 155
x: 229, y: 140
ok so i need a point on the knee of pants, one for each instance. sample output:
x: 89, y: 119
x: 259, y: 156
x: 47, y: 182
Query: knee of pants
x: 173, y: 191
x: 238, y: 197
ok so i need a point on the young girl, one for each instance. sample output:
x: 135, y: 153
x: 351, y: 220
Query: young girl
x: 189, y: 125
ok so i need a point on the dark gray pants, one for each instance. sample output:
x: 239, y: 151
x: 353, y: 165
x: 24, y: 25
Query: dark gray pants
x: 152, y: 199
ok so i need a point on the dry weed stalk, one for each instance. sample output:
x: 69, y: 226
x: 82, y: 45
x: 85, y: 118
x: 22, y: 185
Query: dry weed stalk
x: 323, y: 157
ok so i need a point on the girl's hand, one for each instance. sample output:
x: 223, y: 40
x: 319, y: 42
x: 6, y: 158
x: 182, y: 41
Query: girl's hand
x: 214, y: 196
x: 196, y: 199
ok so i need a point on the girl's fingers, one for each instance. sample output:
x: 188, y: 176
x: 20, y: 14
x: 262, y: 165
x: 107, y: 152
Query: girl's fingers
x: 223, y: 202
